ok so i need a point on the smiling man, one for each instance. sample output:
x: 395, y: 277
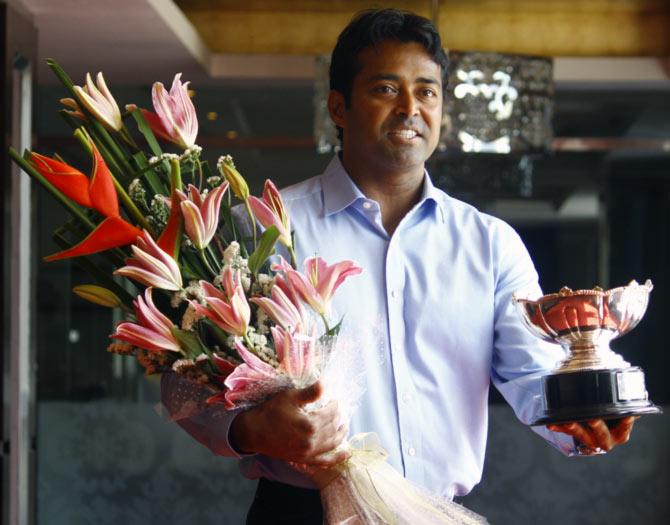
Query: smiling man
x: 390, y: 115
x: 437, y: 286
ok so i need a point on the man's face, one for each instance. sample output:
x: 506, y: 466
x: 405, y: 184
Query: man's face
x: 393, y: 119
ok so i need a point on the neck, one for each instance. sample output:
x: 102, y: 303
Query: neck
x: 395, y: 191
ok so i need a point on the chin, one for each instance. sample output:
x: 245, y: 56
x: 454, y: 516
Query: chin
x: 407, y: 159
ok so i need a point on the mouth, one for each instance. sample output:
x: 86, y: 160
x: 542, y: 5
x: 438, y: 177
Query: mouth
x: 405, y: 134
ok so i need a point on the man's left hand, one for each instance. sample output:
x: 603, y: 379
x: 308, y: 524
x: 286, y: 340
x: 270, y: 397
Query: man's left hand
x: 595, y: 436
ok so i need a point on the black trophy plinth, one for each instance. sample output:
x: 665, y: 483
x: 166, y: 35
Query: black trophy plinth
x: 594, y: 394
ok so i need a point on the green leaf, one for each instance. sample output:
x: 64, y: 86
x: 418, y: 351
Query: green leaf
x: 265, y: 248
x: 146, y: 131
x: 190, y: 343
x: 149, y: 174
x: 62, y: 76
x: 92, y: 267
x: 206, y: 170
x: 334, y: 331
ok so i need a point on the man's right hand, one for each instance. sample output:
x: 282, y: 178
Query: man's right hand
x: 280, y: 428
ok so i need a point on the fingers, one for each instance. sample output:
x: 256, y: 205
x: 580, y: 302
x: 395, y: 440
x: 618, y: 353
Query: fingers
x: 596, y: 434
x: 577, y: 431
x: 621, y: 431
x: 329, y: 459
x: 600, y: 434
x: 326, y: 438
x: 309, y: 394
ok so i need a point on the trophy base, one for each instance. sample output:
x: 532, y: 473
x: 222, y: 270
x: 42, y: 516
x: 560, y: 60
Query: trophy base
x: 594, y: 394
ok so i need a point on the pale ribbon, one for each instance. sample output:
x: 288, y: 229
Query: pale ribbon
x: 373, y: 478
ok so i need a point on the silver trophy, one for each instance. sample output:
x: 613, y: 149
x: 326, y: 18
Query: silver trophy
x: 592, y: 381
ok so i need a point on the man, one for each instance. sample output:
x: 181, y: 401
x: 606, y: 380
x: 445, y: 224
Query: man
x: 437, y: 285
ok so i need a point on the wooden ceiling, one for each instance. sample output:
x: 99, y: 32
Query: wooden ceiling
x: 540, y: 27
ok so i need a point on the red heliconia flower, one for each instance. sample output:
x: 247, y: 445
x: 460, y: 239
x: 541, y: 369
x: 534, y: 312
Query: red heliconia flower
x: 96, y: 192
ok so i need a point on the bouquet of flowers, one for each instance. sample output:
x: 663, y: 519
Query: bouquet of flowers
x: 159, y: 234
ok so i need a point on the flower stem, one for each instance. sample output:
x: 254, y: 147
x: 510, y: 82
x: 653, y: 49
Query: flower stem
x: 125, y: 135
x: 253, y: 220
x: 212, y: 255
x: 203, y: 258
x: 294, y: 261
x: 325, y: 322
x: 200, y: 175
x: 250, y: 347
x: 131, y: 208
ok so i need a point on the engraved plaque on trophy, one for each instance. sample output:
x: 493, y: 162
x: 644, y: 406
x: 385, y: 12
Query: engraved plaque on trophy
x: 592, y: 381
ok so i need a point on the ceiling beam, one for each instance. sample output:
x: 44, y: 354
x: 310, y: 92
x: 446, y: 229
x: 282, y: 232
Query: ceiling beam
x: 550, y: 27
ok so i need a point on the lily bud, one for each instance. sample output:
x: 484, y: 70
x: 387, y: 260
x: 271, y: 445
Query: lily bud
x: 100, y: 102
x: 98, y: 295
x: 237, y: 183
x: 74, y: 109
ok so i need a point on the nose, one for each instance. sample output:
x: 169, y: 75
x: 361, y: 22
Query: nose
x: 407, y: 104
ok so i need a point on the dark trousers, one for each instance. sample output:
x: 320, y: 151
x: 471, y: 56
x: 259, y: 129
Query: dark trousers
x: 280, y: 504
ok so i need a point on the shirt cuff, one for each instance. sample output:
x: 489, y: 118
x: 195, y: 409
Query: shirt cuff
x: 219, y: 429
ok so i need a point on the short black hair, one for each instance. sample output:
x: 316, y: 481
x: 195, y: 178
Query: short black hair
x: 370, y: 28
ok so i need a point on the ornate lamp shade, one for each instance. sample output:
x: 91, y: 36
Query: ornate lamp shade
x: 498, y: 103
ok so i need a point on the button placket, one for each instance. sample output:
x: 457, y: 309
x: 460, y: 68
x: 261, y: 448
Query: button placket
x: 407, y: 422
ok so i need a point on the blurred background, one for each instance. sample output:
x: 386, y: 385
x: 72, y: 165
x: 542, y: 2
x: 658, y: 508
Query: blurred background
x: 557, y: 121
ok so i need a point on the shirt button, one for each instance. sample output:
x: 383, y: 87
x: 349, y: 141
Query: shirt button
x: 411, y: 451
x: 367, y: 205
x: 406, y: 398
x: 393, y: 293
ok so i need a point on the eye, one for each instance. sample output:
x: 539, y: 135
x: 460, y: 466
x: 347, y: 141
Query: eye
x: 385, y: 89
x: 428, y: 92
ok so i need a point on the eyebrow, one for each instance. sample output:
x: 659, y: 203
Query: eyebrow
x: 391, y: 76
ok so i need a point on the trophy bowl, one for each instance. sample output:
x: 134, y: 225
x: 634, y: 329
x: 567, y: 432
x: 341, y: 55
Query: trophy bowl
x: 592, y: 381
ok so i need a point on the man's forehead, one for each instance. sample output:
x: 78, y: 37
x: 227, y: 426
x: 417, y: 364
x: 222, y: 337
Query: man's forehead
x: 374, y: 77
x: 391, y: 57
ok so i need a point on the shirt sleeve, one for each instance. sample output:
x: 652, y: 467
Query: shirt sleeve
x: 519, y: 358
x: 210, y: 425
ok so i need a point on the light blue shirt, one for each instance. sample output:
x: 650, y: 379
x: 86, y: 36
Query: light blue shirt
x: 438, y: 293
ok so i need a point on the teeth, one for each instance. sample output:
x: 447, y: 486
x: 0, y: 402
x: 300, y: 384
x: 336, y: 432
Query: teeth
x: 406, y: 133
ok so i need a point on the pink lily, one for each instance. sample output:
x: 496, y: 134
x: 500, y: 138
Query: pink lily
x: 201, y: 217
x: 225, y: 368
x: 242, y: 383
x: 229, y: 310
x: 151, y: 265
x: 99, y: 101
x: 175, y: 119
x: 318, y: 285
x: 153, y: 330
x: 296, y: 353
x: 271, y: 212
x: 282, y: 310
x: 282, y: 282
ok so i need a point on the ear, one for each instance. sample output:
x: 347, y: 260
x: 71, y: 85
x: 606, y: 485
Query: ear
x: 336, y: 107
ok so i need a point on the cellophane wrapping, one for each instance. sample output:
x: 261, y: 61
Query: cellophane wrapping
x: 365, y: 489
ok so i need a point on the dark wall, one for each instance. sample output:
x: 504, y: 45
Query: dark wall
x: 639, y: 211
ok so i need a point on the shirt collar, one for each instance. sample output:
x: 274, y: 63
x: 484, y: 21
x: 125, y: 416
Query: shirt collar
x: 339, y: 191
